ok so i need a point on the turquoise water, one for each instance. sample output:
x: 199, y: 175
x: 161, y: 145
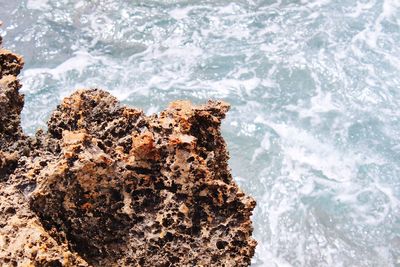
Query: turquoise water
x: 314, y: 129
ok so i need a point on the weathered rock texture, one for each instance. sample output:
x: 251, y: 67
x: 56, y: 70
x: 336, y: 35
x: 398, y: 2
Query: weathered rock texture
x: 11, y: 103
x: 23, y: 239
x: 107, y: 185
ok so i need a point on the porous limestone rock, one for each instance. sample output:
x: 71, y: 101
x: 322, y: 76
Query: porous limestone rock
x: 11, y: 103
x: 107, y: 185
x: 23, y: 239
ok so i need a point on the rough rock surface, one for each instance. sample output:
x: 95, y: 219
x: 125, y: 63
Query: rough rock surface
x: 11, y: 103
x: 23, y: 239
x: 107, y: 185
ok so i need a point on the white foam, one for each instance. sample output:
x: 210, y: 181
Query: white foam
x: 360, y: 9
x: 322, y: 102
x: 78, y: 63
x: 38, y: 4
x: 266, y: 258
x: 303, y: 149
x: 264, y: 146
x: 180, y: 13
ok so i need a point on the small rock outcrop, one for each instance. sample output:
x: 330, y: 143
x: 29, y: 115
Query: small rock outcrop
x: 107, y: 185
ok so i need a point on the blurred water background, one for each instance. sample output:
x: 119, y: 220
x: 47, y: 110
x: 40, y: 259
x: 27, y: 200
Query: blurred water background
x: 314, y: 129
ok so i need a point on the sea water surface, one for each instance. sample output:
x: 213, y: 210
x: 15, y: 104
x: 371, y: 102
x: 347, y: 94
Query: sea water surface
x: 314, y: 129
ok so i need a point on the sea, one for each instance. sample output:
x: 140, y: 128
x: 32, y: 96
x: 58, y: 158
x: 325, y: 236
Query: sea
x: 314, y: 87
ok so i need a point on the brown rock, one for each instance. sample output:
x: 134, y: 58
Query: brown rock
x: 24, y: 241
x: 110, y: 186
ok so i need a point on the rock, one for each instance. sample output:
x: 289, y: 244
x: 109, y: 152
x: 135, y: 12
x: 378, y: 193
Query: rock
x: 107, y: 185
x: 23, y: 239
x: 11, y: 103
